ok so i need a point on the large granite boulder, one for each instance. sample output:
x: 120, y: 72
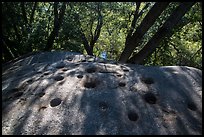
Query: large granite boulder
x: 69, y: 93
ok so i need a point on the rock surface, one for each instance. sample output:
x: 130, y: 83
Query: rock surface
x: 67, y: 93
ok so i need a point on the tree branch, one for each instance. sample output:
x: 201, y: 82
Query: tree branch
x: 135, y: 17
x: 146, y: 23
x: 98, y: 27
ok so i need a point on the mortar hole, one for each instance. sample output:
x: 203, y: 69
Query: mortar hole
x: 119, y: 75
x: 192, y: 106
x: 64, y: 69
x: 58, y: 78
x: 133, y: 116
x: 150, y: 98
x: 55, y: 102
x: 80, y: 76
x: 126, y: 70
x: 30, y: 81
x: 121, y: 84
x: 46, y: 73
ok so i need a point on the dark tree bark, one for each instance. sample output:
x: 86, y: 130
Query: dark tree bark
x: 58, y: 18
x: 86, y: 44
x: 165, y: 30
x: 133, y: 40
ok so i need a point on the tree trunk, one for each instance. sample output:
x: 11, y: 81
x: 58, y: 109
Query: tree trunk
x: 166, y: 29
x: 58, y: 18
x: 86, y: 44
x: 148, y: 21
x: 97, y: 30
x: 94, y: 37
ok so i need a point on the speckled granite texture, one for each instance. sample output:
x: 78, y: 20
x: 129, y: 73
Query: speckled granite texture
x: 64, y: 93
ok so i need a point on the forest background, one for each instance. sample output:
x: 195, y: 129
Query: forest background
x: 147, y: 33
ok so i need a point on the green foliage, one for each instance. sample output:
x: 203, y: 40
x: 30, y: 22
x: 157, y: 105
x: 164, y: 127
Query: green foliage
x: 183, y: 47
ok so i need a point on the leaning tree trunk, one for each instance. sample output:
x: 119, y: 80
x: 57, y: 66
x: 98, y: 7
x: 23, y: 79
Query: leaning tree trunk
x: 57, y: 23
x: 166, y: 29
x: 148, y: 21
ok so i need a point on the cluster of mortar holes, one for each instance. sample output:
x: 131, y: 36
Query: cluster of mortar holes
x: 191, y: 106
x: 148, y: 80
x: 103, y: 106
x: 90, y: 84
x: 91, y: 69
x: 150, y: 98
x: 133, y: 116
x: 55, y: 102
x: 122, y: 84
x: 79, y: 76
x: 58, y: 78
